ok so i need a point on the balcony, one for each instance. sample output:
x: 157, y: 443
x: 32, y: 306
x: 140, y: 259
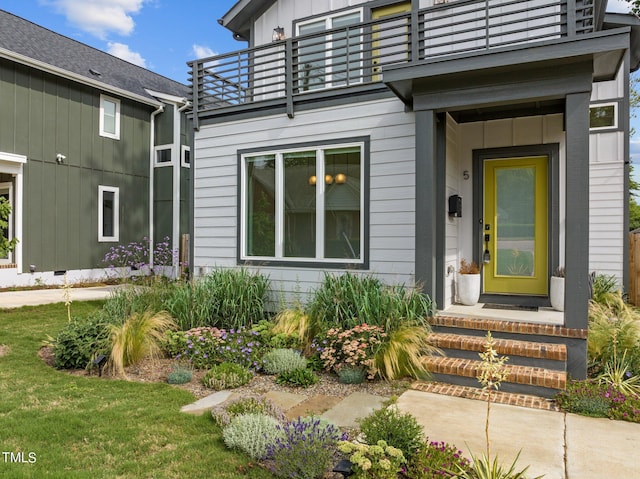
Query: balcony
x: 281, y: 74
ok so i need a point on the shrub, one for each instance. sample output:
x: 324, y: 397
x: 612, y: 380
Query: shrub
x: 237, y: 297
x: 610, y: 332
x: 80, y: 340
x: 395, y: 428
x: 435, y: 460
x: 297, y: 378
x: 352, y: 348
x: 348, y: 300
x: 378, y: 461
x: 352, y: 376
x: 138, y: 338
x: 305, y: 448
x: 279, y: 361
x: 590, y: 398
x: 402, y: 353
x: 224, y: 414
x: 190, y: 302
x: 483, y: 467
x: 274, y: 339
x: 252, y: 434
x: 226, y: 376
x: 128, y: 300
x: 297, y: 324
x: 180, y: 375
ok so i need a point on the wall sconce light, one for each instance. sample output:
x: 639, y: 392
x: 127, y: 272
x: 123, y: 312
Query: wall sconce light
x: 278, y: 34
x: 341, y: 178
x: 60, y: 158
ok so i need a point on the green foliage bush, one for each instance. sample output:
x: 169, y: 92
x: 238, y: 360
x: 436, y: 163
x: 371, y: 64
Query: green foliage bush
x: 348, y: 300
x: 591, y: 398
x: 305, y: 449
x: 252, y: 434
x: 297, y: 378
x: 377, y: 461
x: 223, y: 414
x: 279, y: 361
x: 435, y: 460
x: 81, y: 340
x: 400, y: 430
x: 226, y: 376
x: 352, y: 376
x: 180, y: 375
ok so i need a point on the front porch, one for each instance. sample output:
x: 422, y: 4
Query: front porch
x: 542, y: 316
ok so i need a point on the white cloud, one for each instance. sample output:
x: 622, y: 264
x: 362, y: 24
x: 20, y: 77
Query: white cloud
x: 202, y: 51
x: 618, y: 6
x: 121, y: 50
x: 100, y: 17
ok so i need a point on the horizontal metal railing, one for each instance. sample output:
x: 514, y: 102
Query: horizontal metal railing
x: 277, y: 73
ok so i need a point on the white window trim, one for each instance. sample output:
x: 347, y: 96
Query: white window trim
x: 279, y: 206
x: 116, y: 135
x: 615, y: 115
x: 158, y: 148
x: 116, y: 213
x: 327, y: 26
x: 183, y: 163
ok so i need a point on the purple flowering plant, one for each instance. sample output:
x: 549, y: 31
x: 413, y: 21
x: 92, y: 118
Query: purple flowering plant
x: 591, y: 398
x: 305, y: 448
x: 205, y: 347
x: 435, y: 460
x: 135, y: 255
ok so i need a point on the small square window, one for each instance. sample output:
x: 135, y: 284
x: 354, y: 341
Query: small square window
x: 163, y: 155
x: 186, y: 156
x: 603, y: 115
x: 109, y: 117
x: 108, y: 213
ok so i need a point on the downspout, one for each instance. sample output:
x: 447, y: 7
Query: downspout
x: 177, y: 170
x: 152, y: 158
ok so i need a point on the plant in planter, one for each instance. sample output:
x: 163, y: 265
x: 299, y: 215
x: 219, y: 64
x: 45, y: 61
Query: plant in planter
x: 556, y: 289
x: 468, y: 283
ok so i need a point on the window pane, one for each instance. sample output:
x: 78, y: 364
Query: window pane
x: 602, y: 116
x: 300, y: 204
x: 187, y: 157
x: 163, y: 156
x: 109, y: 116
x: 342, y: 203
x: 108, y: 210
x: 311, y: 64
x: 261, y: 206
x: 345, y: 61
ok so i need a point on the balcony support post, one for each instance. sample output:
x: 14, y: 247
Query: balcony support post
x: 288, y: 76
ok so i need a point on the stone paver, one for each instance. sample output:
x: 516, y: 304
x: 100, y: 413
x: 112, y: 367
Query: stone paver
x: 285, y: 400
x: 353, y: 407
x: 314, y: 406
x: 207, y: 403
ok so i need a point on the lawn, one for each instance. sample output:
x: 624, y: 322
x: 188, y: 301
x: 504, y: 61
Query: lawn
x: 75, y: 427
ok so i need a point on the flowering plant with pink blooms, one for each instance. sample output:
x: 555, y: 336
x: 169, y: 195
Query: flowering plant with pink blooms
x: 353, y: 348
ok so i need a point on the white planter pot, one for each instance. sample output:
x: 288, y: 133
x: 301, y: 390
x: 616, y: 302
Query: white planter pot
x: 556, y: 293
x: 468, y: 289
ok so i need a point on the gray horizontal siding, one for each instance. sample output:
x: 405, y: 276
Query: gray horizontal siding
x: 392, y: 190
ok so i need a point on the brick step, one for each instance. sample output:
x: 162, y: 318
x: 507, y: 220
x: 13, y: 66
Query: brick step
x: 499, y: 397
x: 524, y: 353
x: 504, y: 329
x: 521, y: 379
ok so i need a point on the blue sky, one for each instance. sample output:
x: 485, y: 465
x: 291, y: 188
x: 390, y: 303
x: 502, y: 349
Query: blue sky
x: 162, y: 35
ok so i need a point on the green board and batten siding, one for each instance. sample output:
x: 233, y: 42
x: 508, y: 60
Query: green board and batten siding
x: 42, y: 115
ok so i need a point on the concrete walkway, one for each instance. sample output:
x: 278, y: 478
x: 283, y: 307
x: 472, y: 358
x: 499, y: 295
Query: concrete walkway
x: 17, y: 299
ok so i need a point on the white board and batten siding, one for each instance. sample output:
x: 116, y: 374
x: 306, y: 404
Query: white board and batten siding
x: 607, y: 234
x: 391, y: 195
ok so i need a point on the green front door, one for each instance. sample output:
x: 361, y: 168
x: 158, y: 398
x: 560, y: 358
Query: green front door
x: 515, y: 220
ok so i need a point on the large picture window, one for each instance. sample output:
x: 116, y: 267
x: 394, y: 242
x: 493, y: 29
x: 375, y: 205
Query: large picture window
x: 108, y: 213
x: 305, y: 204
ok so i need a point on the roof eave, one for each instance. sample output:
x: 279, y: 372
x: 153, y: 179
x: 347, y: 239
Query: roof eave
x: 8, y: 54
x: 239, y: 19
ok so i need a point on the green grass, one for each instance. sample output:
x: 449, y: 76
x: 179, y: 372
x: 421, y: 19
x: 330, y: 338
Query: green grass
x: 89, y: 427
